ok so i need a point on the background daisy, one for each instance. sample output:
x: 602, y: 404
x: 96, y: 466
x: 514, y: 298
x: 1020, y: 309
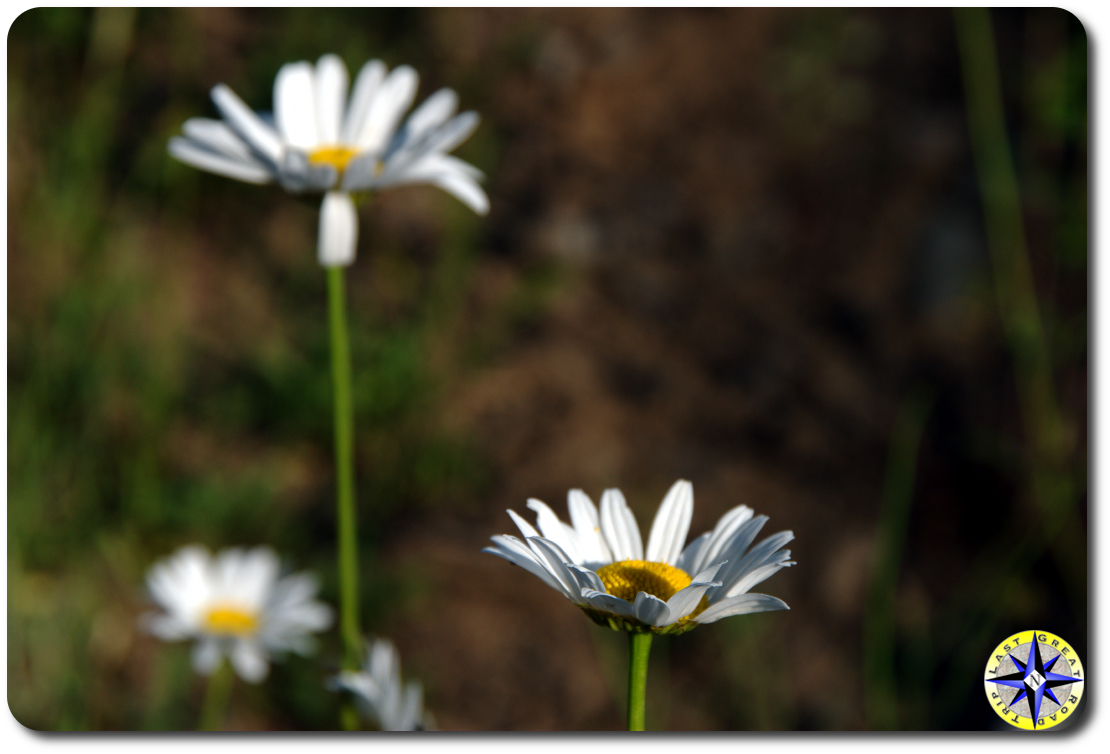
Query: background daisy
x: 234, y: 605
x: 380, y: 693
x: 318, y: 141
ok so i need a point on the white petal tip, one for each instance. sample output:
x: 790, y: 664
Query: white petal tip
x: 338, y: 230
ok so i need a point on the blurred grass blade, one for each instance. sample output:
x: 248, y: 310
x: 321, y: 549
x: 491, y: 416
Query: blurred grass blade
x: 112, y: 32
x: 1013, y: 277
x: 880, y: 688
x: 1049, y: 475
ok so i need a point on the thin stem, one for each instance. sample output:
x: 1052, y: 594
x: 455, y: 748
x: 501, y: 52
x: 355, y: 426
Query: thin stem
x: 348, y: 716
x: 214, y: 708
x: 639, y: 647
x: 344, y: 470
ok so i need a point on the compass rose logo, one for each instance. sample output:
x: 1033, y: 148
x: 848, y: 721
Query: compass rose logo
x: 1034, y: 680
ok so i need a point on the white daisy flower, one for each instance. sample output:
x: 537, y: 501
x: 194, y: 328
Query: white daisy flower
x: 234, y: 604
x: 379, y: 693
x: 319, y: 141
x: 599, y: 563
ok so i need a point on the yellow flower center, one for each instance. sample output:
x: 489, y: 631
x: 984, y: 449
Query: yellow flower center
x: 626, y: 578
x: 336, y: 156
x: 230, y: 620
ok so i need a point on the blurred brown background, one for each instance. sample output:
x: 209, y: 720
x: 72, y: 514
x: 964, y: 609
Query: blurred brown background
x: 741, y: 247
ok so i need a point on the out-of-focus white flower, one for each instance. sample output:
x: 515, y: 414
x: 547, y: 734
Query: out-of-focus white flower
x: 234, y: 604
x: 600, y: 563
x: 319, y: 141
x: 379, y: 693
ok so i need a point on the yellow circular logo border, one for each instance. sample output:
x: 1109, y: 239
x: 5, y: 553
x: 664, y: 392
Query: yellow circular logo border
x: 1053, y: 642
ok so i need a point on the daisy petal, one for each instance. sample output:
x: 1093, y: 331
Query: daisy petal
x: 302, y: 644
x: 684, y: 601
x: 766, y: 549
x: 358, y: 683
x: 707, y: 574
x: 510, y: 544
x: 314, y: 616
x: 690, y: 555
x: 750, y: 579
x: 651, y: 610
x: 618, y: 525
x: 431, y: 114
x: 218, y: 137
x: 452, y: 134
x: 207, y: 654
x: 463, y: 188
x: 338, y: 230
x: 552, y: 557
x: 758, y: 556
x: 435, y: 162
x: 331, y: 96
x: 362, y: 96
x: 741, y: 605
x: 383, y: 660
x: 407, y: 151
x: 241, y: 169
x: 722, y: 535
x: 733, y: 550
x: 251, y: 578
x: 411, y: 707
x: 224, y: 569
x: 683, y: 605
x: 297, y: 174
x: 671, y: 524
x: 450, y: 174
x: 293, y: 610
x: 245, y: 122
x: 295, y: 105
x: 517, y: 553
x: 587, y: 579
x: 378, y: 689
x: 392, y: 98
x: 180, y: 583
x: 591, y: 545
x: 554, y: 529
x: 607, y: 603
x: 249, y: 661
x: 361, y: 173
x: 294, y: 591
x: 525, y: 528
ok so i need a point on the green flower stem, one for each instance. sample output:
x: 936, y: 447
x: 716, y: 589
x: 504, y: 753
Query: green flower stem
x: 348, y: 716
x: 346, y: 524
x: 344, y: 470
x: 214, y: 708
x: 639, y: 647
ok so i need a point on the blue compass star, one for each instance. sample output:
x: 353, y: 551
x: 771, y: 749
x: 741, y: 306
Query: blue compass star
x: 1034, y: 680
